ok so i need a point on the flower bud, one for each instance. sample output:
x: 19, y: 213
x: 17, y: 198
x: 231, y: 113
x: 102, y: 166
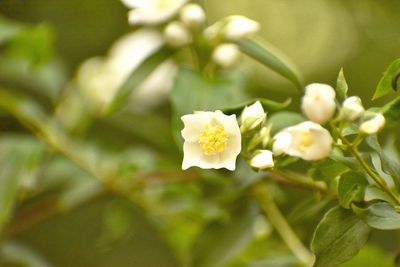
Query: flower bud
x: 239, y: 27
x: 262, y: 137
x: 226, y: 55
x: 252, y: 117
x: 352, y: 108
x: 262, y: 160
x: 318, y: 103
x: 176, y: 34
x: 372, y: 126
x: 193, y: 16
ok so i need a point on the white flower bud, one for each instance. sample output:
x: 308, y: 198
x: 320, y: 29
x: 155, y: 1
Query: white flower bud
x: 262, y: 160
x: 193, y: 16
x: 372, y: 126
x: 252, y: 117
x: 226, y: 55
x: 176, y: 34
x: 352, y: 108
x: 239, y: 27
x: 318, y: 103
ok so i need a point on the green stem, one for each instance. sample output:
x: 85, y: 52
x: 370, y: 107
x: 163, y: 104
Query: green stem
x: 302, y: 181
x: 278, y: 221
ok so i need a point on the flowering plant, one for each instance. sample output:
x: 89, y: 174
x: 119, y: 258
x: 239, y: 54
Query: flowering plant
x: 217, y: 165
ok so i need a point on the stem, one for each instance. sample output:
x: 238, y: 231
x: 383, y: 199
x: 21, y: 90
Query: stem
x: 278, y: 221
x: 302, y: 181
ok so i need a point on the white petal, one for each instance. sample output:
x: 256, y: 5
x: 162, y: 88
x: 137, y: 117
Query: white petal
x: 282, y: 143
x: 194, y: 156
x: 135, y: 3
x: 194, y: 124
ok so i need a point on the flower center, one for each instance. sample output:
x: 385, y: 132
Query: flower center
x: 213, y: 139
x: 165, y: 3
x: 305, y: 141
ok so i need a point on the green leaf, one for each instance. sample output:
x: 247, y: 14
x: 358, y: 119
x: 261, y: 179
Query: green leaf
x: 273, y: 59
x: 220, y: 242
x: 284, y: 119
x: 351, y: 188
x: 9, y: 29
x: 370, y: 255
x: 338, y: 237
x: 391, y: 111
x: 138, y: 76
x: 268, y: 105
x: 193, y: 92
x: 379, y: 215
x: 341, y: 85
x: 385, y: 85
x: 330, y: 169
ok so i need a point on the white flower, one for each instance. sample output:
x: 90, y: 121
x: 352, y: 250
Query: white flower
x: 226, y: 55
x: 239, y: 27
x: 152, y: 12
x: 193, y: 15
x: 232, y: 28
x: 262, y: 160
x: 100, y: 78
x: 212, y: 140
x: 252, y: 116
x: 318, y: 103
x: 352, y: 108
x: 306, y: 140
x: 373, y: 125
x: 176, y: 34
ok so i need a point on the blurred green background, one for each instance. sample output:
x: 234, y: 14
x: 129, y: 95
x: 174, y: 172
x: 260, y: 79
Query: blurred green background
x: 319, y: 36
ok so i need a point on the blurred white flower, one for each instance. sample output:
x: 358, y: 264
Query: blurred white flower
x: 152, y: 12
x: 306, y: 140
x: 352, y: 108
x: 176, y: 34
x: 262, y: 160
x: 100, y: 78
x: 212, y: 140
x: 318, y: 103
x: 193, y: 16
x: 232, y: 28
x: 374, y: 125
x: 252, y: 116
x: 226, y: 55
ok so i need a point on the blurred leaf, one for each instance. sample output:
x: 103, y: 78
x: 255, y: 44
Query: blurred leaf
x: 370, y: 255
x: 330, y: 169
x: 284, y: 119
x: 9, y: 29
x: 379, y: 215
x: 273, y: 59
x: 338, y: 237
x: 341, y: 85
x: 351, y: 188
x: 220, y: 242
x: 138, y: 76
x: 268, y: 105
x: 193, y: 92
x: 34, y: 44
x: 391, y: 111
x: 20, y: 255
x: 387, y: 82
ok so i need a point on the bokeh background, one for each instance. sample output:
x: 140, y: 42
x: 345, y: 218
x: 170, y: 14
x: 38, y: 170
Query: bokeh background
x: 320, y: 37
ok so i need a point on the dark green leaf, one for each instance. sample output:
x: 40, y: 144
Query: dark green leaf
x: 193, y: 92
x: 351, y: 188
x: 385, y: 85
x: 330, y: 169
x: 273, y: 59
x: 338, y: 237
x: 284, y: 119
x: 220, y: 242
x: 379, y: 215
x: 268, y: 105
x: 138, y: 76
x: 341, y: 85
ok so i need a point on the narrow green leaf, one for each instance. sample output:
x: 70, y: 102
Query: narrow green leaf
x: 351, y: 188
x: 379, y: 215
x: 385, y: 85
x: 138, y: 76
x: 341, y: 85
x: 220, y: 242
x: 273, y: 59
x: 338, y: 237
x: 268, y: 105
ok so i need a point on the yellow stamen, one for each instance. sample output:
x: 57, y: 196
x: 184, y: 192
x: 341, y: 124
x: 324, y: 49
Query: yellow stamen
x: 305, y: 141
x: 213, y: 139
